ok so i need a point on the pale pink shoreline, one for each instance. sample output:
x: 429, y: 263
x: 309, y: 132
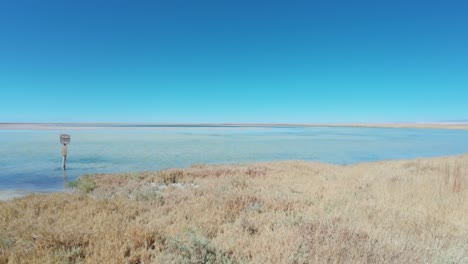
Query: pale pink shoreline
x: 11, y: 126
x: 164, y: 126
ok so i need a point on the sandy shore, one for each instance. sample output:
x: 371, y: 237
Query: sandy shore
x: 408, y: 211
x: 155, y: 126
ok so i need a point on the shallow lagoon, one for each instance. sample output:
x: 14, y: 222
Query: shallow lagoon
x: 30, y: 159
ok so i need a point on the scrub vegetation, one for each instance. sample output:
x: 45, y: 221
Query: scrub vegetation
x: 412, y: 211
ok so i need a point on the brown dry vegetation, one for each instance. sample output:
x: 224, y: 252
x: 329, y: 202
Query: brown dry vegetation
x: 286, y: 212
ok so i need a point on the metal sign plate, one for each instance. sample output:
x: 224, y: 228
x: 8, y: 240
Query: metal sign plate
x: 64, y: 139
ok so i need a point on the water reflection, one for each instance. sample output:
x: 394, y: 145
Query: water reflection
x: 64, y: 177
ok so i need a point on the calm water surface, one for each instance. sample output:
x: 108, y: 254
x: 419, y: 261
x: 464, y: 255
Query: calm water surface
x: 30, y: 159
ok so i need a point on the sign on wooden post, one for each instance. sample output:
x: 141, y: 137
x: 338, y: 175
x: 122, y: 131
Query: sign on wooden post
x: 64, y: 140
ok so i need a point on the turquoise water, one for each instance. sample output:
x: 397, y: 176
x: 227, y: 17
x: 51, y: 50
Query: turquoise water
x: 30, y: 159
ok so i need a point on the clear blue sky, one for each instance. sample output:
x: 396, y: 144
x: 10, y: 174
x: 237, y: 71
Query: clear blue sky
x: 233, y: 61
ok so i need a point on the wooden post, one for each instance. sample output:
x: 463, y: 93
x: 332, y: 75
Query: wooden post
x: 64, y: 156
x: 64, y: 139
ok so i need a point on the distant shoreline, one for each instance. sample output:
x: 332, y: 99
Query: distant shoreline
x: 150, y: 126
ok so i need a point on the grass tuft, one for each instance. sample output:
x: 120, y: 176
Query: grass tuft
x: 84, y: 184
x: 194, y: 248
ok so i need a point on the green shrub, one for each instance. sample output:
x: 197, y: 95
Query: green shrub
x: 146, y: 195
x: 5, y: 242
x: 193, y: 248
x: 84, y: 184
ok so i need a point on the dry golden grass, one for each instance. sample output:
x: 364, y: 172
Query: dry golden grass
x: 286, y: 212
